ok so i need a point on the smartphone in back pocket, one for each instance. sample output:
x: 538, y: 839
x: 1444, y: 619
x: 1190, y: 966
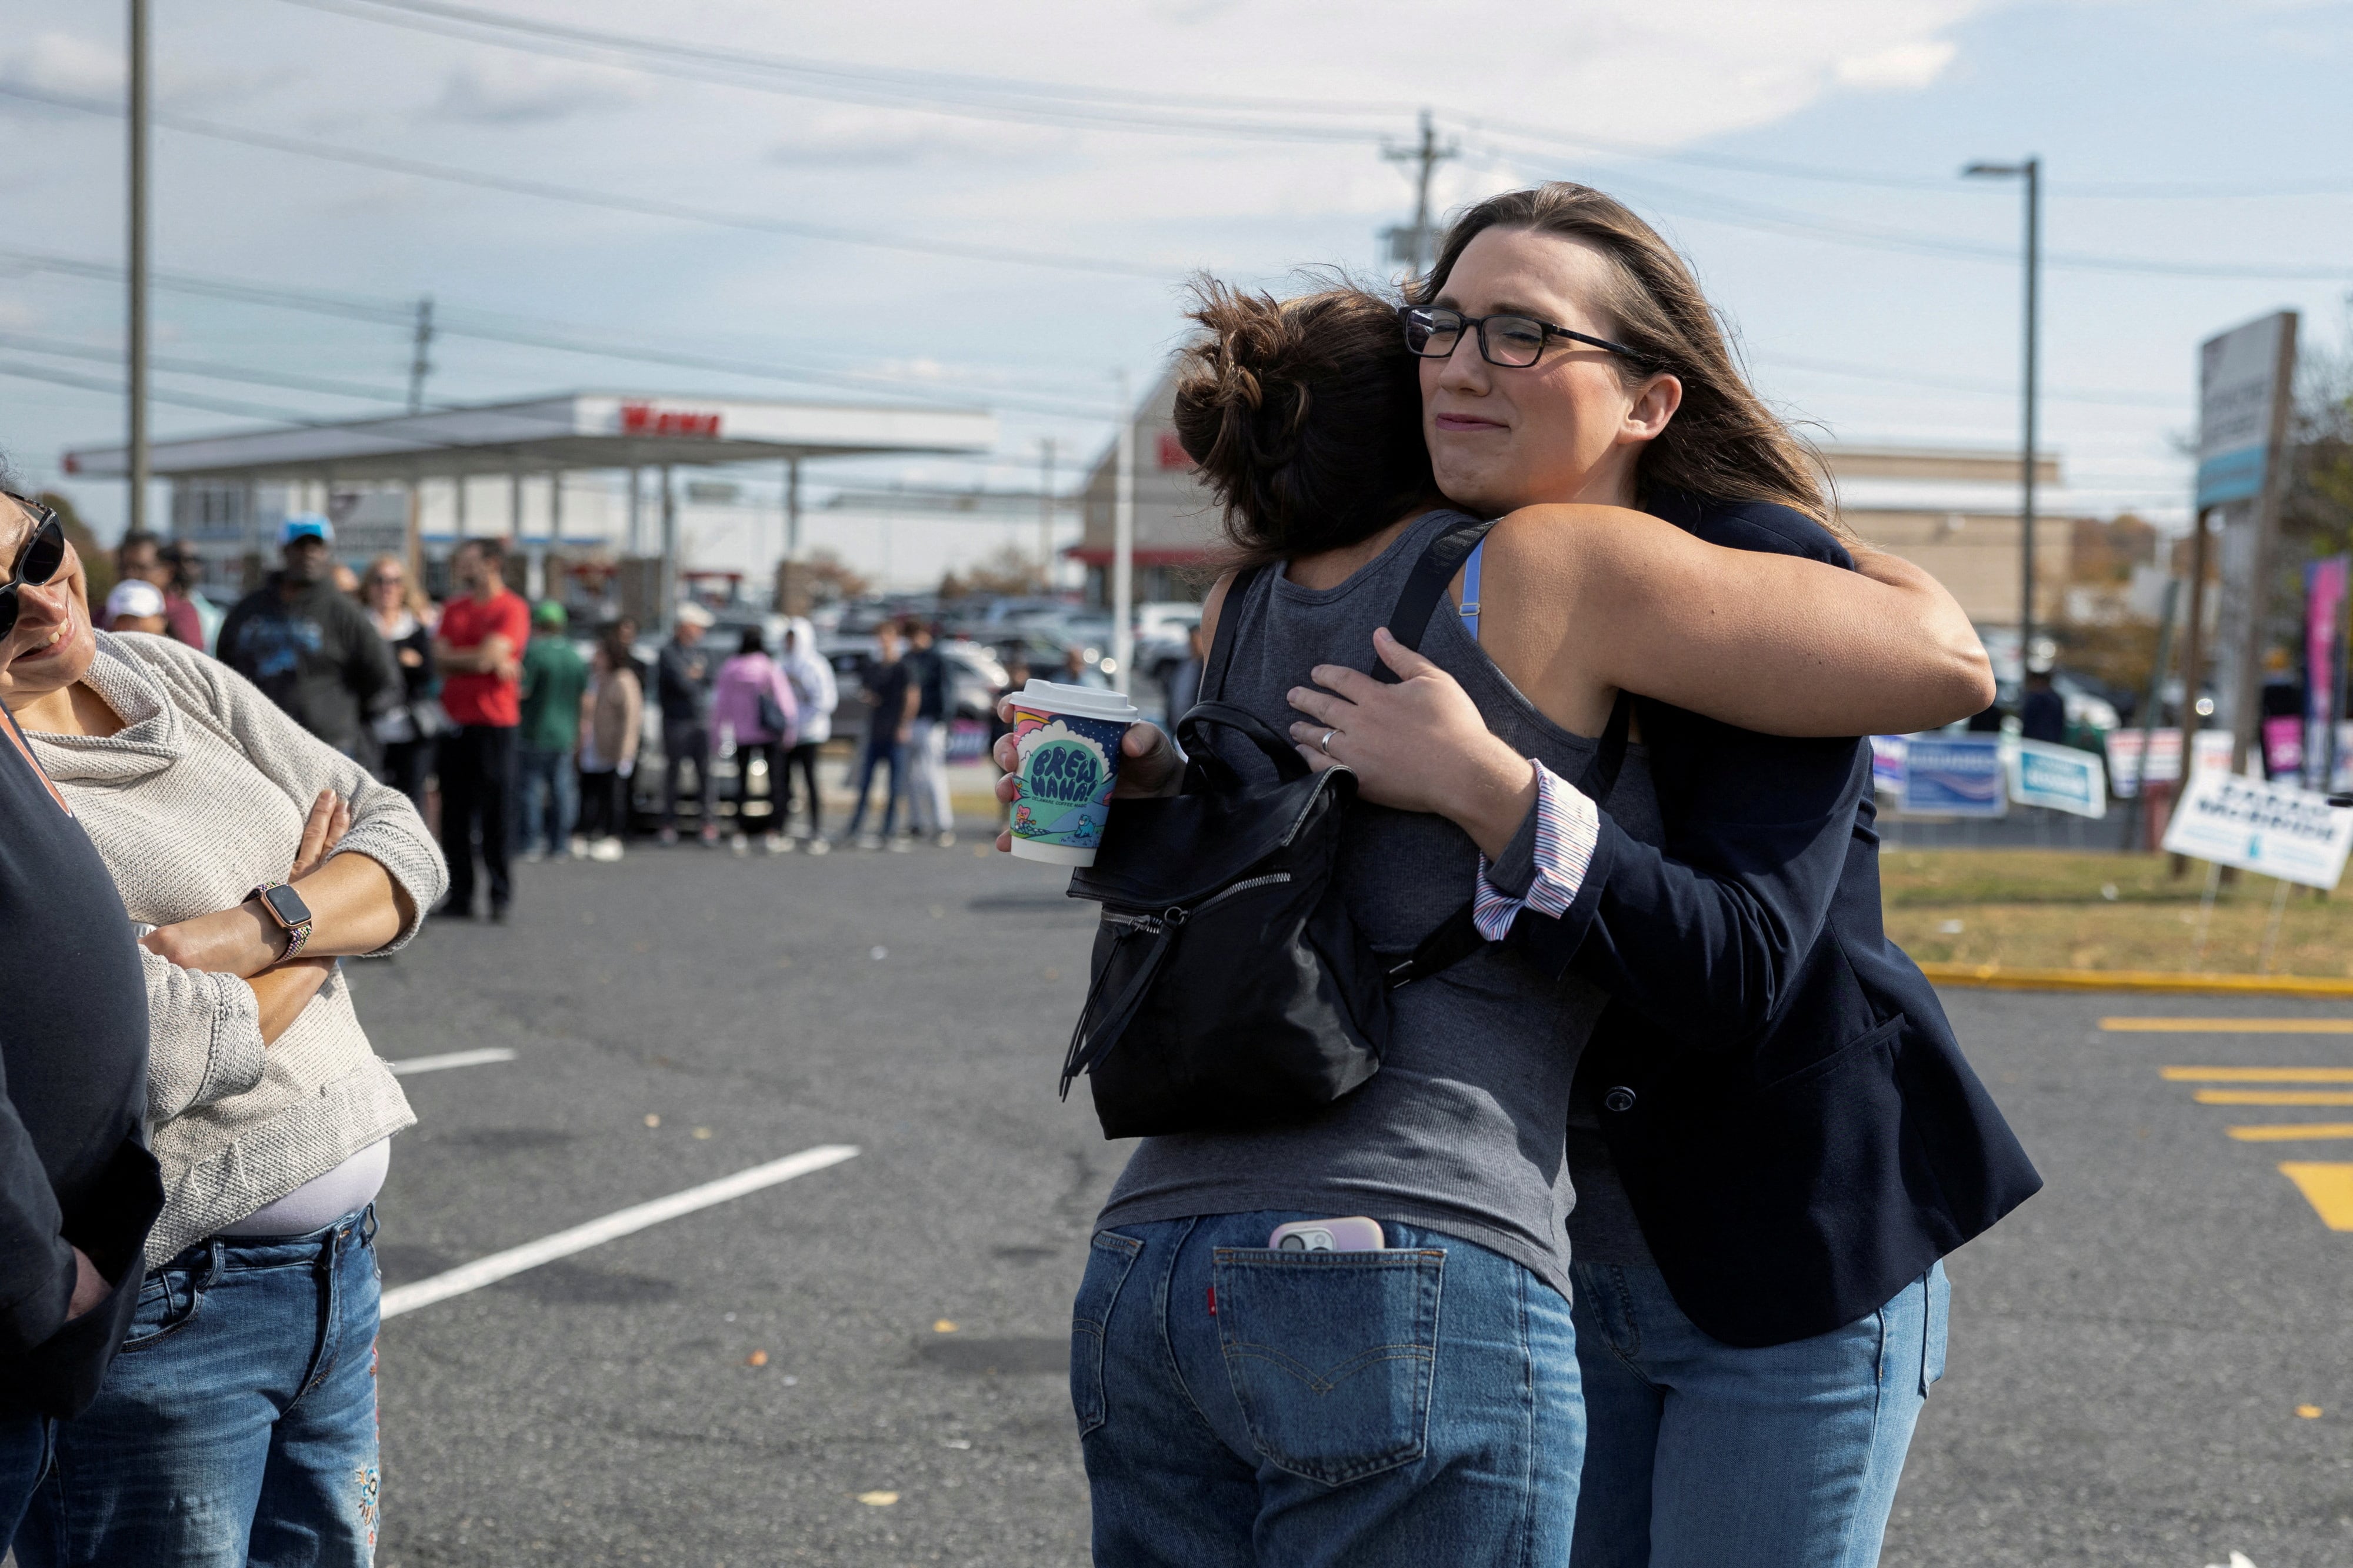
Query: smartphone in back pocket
x: 1354, y: 1234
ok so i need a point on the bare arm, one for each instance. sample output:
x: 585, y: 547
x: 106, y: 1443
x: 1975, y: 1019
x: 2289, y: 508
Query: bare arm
x: 356, y: 907
x: 495, y: 655
x: 283, y: 992
x: 1579, y: 601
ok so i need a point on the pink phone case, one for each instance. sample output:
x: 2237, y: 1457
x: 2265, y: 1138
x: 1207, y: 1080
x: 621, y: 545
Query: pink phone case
x: 1354, y: 1234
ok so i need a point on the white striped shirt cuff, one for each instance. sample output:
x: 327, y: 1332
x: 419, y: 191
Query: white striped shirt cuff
x: 1568, y: 825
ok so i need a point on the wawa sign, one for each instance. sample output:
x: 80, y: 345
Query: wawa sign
x: 645, y: 419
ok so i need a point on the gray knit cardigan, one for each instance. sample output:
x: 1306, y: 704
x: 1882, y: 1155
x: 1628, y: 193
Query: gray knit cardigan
x: 197, y: 801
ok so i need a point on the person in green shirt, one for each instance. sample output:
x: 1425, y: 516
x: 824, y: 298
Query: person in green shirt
x: 553, y: 679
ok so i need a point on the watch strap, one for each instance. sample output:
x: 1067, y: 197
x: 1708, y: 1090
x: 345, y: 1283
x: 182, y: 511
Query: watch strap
x: 298, y: 934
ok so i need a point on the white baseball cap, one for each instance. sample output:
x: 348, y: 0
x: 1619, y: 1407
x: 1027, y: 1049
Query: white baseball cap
x: 693, y: 614
x: 135, y: 597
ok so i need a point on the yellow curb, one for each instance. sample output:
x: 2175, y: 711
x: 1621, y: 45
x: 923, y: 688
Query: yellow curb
x: 1993, y: 976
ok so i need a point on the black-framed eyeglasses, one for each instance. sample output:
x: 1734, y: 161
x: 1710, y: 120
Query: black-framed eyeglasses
x: 1514, y: 342
x: 37, y: 560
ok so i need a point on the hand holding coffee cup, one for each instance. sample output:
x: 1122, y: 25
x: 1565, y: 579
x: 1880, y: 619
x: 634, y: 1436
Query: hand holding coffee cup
x: 1073, y: 750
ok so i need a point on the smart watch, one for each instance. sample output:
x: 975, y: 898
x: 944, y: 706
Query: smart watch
x: 284, y: 906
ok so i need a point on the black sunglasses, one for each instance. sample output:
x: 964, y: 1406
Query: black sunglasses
x: 1514, y: 342
x: 37, y: 560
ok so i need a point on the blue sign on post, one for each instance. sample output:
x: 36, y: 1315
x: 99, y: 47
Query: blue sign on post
x: 2059, y: 778
x: 1954, y: 775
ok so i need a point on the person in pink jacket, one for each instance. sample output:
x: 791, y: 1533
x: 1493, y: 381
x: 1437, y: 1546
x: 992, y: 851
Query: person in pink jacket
x: 753, y: 699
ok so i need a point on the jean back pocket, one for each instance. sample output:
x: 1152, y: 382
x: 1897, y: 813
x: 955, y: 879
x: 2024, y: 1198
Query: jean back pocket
x: 1331, y: 1354
x: 1108, y: 1261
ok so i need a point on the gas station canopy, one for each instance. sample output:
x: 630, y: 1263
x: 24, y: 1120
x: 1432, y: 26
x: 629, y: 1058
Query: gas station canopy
x: 570, y: 430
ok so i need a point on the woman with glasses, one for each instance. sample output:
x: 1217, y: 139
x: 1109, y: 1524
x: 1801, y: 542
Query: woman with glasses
x: 1773, y: 1134
x: 403, y: 616
x: 1239, y: 1404
x: 239, y: 1421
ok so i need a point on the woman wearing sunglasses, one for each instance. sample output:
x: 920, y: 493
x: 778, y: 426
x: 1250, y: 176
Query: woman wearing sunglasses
x: 1425, y: 1406
x: 239, y: 1419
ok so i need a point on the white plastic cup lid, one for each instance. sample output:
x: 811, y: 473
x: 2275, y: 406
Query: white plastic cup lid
x: 1085, y: 701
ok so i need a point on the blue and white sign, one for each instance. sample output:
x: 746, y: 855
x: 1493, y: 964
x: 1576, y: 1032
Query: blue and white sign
x: 1887, y: 754
x: 1954, y: 775
x: 2059, y: 777
x: 2238, y: 373
x: 2271, y: 829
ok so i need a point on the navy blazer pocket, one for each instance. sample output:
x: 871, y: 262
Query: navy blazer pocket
x: 1845, y: 1057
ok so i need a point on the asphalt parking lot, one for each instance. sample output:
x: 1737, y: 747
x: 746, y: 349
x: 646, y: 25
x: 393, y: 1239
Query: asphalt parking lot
x: 863, y: 1364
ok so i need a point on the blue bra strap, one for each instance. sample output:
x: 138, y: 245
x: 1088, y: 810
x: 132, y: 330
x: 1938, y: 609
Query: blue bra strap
x: 1469, y: 608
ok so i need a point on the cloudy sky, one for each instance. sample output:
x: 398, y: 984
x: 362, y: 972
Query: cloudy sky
x: 998, y: 202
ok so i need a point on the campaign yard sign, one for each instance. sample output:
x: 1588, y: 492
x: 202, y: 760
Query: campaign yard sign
x: 1954, y: 775
x: 2208, y: 748
x: 2059, y: 777
x: 1888, y: 753
x: 2271, y: 829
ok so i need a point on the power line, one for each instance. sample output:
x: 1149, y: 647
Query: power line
x: 578, y: 196
x: 1734, y: 213
x: 522, y: 333
x: 972, y: 97
x: 24, y: 372
x: 25, y: 344
x: 1007, y: 98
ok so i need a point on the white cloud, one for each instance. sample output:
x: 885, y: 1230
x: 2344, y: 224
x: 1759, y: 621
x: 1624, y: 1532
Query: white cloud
x: 867, y: 137
x: 1908, y: 67
x: 503, y: 90
x: 66, y: 65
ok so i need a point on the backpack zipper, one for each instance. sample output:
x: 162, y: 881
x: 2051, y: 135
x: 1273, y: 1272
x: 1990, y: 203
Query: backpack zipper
x: 1176, y: 915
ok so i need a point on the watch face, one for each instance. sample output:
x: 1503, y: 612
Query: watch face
x: 287, y: 905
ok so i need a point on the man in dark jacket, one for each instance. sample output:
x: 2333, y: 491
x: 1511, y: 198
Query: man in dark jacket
x: 77, y: 1188
x: 685, y: 687
x: 308, y: 645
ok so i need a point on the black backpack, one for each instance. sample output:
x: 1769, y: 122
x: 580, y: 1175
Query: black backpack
x: 1230, y: 988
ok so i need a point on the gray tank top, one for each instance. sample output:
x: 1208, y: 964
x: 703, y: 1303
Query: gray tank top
x: 1461, y: 1130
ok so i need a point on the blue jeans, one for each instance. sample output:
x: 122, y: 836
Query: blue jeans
x: 1410, y: 1407
x: 1704, y: 1454
x: 550, y: 800
x: 895, y: 756
x: 238, y: 1423
x: 24, y: 1455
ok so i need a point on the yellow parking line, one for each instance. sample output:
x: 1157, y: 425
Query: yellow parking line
x: 2274, y: 1097
x: 2290, y: 1131
x: 2327, y: 1188
x: 2258, y: 1075
x: 2228, y: 1025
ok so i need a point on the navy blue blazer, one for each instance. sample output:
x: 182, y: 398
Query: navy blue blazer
x: 1795, y: 1123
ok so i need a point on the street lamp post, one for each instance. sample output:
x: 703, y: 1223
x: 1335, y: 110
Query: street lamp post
x: 137, y: 268
x: 2030, y: 171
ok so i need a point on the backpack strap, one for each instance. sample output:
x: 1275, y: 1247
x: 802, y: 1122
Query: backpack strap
x: 1221, y: 647
x: 1409, y: 619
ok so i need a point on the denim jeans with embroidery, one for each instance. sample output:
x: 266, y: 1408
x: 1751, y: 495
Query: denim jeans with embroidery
x: 1408, y: 1407
x: 237, y: 1425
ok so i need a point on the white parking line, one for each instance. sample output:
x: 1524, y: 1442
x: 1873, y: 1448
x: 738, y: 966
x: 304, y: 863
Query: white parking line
x: 497, y: 1266
x: 453, y: 1060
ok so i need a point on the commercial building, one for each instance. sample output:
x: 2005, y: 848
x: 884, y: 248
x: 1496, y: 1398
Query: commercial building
x: 583, y: 481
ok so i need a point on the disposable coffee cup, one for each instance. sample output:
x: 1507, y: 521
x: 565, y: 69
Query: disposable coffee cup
x: 1067, y: 738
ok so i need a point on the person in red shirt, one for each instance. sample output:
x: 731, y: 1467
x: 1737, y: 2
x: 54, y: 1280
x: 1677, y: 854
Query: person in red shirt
x: 478, y: 647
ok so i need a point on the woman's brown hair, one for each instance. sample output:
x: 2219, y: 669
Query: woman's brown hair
x: 1724, y: 444
x: 1305, y: 416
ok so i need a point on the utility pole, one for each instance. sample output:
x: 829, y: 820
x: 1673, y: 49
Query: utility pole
x: 1046, y: 512
x: 1413, y: 247
x: 1122, y: 546
x: 2031, y: 172
x: 138, y: 267
x: 419, y: 365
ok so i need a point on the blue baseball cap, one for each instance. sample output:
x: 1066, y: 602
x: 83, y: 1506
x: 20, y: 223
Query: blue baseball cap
x: 309, y: 525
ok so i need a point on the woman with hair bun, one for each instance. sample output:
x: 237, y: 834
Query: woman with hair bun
x: 1239, y: 1404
